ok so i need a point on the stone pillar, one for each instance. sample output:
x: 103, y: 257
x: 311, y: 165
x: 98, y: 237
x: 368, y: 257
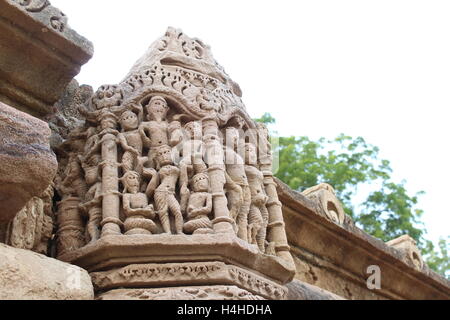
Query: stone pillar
x: 275, y: 228
x: 111, y: 223
x: 216, y: 170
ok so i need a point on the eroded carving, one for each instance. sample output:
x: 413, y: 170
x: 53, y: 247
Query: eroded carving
x: 33, y: 5
x: 408, y: 248
x: 325, y: 197
x: 58, y: 20
x: 181, y: 293
x: 32, y: 228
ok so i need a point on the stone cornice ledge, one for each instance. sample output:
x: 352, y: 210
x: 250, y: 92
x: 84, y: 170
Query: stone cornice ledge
x: 48, y: 24
x: 39, y: 55
x: 347, y: 251
x: 118, y: 251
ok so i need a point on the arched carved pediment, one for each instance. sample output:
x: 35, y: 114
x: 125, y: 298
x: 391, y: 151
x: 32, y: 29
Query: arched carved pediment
x: 191, y: 109
x: 197, y: 94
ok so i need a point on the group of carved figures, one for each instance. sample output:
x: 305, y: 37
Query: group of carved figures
x: 162, y: 166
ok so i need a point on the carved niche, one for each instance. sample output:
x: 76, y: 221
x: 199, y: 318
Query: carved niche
x: 169, y: 153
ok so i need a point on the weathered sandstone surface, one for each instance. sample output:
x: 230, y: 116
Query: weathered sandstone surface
x: 27, y: 164
x: 25, y: 275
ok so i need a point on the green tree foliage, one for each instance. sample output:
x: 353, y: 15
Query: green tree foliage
x: 439, y: 260
x: 348, y: 164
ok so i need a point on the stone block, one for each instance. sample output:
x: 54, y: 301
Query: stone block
x: 27, y: 164
x: 39, y: 55
x: 25, y: 275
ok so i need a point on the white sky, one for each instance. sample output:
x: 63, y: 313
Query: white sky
x: 376, y: 69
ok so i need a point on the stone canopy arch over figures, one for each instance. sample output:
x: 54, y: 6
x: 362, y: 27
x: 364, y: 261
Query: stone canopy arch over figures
x: 170, y: 153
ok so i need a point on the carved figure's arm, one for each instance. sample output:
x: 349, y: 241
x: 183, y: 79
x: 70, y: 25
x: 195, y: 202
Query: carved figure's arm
x: 145, y: 139
x: 154, y: 182
x: 184, y: 190
x: 203, y: 210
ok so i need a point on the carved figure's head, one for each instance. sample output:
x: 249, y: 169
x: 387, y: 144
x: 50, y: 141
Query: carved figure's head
x: 164, y: 155
x: 157, y: 108
x: 131, y: 180
x: 129, y: 120
x: 200, y: 182
x: 194, y: 130
x: 237, y: 122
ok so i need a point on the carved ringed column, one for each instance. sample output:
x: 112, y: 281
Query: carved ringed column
x: 111, y: 223
x: 216, y: 170
x: 275, y: 229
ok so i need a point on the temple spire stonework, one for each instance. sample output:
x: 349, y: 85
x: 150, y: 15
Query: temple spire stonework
x: 167, y: 189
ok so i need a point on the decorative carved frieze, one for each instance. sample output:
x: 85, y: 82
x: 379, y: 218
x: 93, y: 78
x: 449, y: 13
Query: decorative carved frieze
x: 181, y: 293
x: 193, y: 273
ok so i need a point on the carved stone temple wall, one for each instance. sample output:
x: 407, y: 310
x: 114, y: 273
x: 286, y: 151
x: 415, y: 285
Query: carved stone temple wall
x: 161, y: 186
x: 168, y: 184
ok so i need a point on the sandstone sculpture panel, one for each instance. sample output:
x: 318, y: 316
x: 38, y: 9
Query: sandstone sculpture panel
x: 165, y: 151
x: 169, y: 151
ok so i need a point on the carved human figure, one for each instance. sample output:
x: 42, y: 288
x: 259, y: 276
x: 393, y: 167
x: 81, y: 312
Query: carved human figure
x: 237, y: 188
x: 96, y: 136
x: 107, y: 96
x: 130, y: 139
x: 264, y: 146
x: 32, y: 227
x: 92, y: 205
x: 199, y: 206
x: 136, y: 206
x: 258, y: 215
x: 193, y: 147
x: 46, y: 225
x: 155, y: 131
x: 191, y: 154
x: 164, y: 194
x: 72, y: 187
x: 73, y: 183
